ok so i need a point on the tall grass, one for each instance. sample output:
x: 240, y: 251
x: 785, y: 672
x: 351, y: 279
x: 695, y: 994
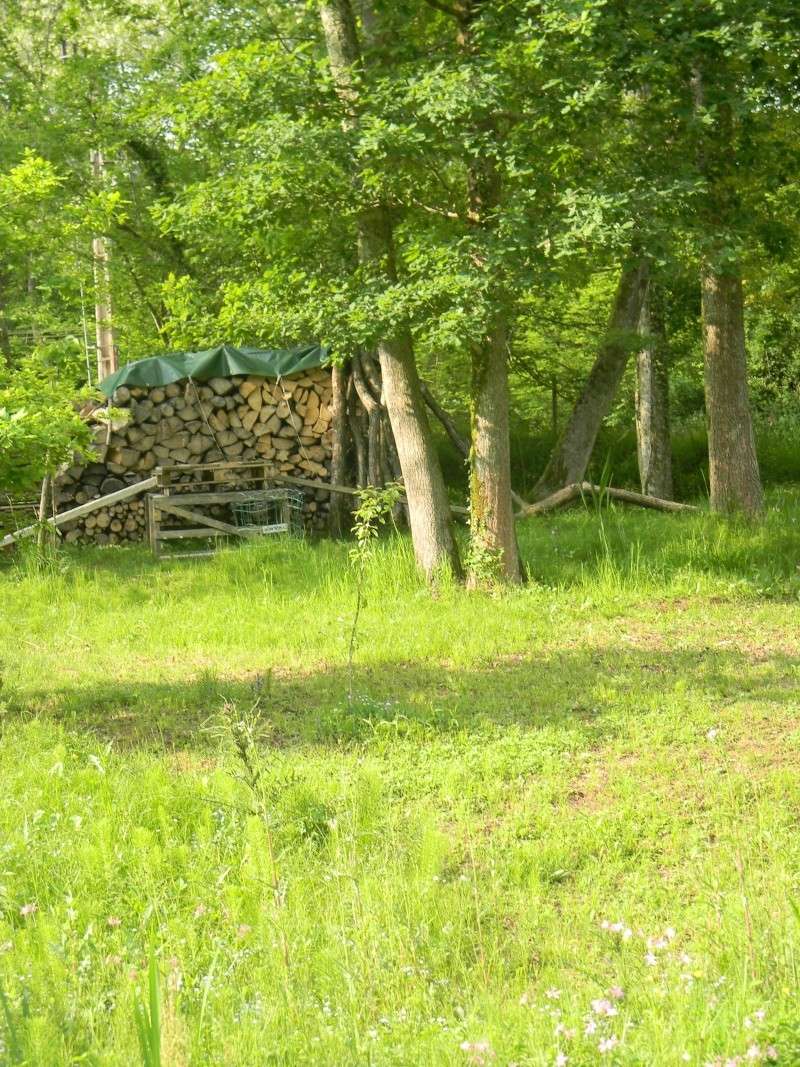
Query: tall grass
x: 554, y: 822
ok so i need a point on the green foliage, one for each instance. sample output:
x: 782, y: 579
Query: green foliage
x: 374, y: 509
x: 40, y: 427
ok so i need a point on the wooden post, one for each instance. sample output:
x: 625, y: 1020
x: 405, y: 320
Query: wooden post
x: 107, y: 361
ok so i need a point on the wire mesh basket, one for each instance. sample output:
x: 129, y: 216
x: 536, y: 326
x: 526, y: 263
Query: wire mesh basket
x: 271, y: 511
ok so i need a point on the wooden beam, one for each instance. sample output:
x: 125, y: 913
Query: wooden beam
x: 270, y: 476
x: 84, y: 509
x: 309, y: 483
x: 194, y: 516
x: 231, y: 496
x: 172, y: 535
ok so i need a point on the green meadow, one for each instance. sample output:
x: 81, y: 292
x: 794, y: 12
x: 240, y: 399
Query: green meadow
x: 550, y: 826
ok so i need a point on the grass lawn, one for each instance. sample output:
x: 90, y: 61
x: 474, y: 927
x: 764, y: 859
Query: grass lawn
x: 554, y: 826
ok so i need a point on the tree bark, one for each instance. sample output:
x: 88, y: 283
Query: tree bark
x: 372, y: 406
x: 429, y: 512
x: 491, y: 508
x: 734, y: 480
x: 492, y: 530
x: 356, y: 419
x: 573, y: 450
x: 652, y: 400
x: 339, y: 514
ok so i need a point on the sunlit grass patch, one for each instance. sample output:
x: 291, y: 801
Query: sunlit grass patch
x: 553, y: 822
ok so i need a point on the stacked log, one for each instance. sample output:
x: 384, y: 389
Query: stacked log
x: 286, y: 423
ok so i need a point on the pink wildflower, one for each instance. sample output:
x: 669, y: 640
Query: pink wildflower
x: 112, y: 920
x: 651, y: 959
x: 561, y: 1060
x: 479, y: 1052
x: 606, y: 1044
x: 616, y: 992
x: 603, y: 1007
x: 28, y: 909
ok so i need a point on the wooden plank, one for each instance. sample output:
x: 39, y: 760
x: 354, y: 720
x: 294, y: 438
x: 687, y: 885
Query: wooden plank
x: 275, y: 476
x: 249, y: 464
x: 173, y: 535
x: 84, y: 509
x: 194, y: 516
x: 328, y: 487
x: 227, y: 497
x: 187, y: 555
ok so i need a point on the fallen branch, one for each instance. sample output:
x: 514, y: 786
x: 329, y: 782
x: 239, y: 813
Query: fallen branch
x: 580, y: 489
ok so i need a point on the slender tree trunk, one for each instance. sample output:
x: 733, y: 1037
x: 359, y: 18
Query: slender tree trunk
x: 107, y: 361
x: 372, y: 406
x: 554, y: 405
x: 429, y: 511
x: 573, y: 450
x: 734, y: 479
x: 44, y: 500
x: 339, y: 514
x: 492, y: 529
x: 652, y: 400
x: 491, y: 509
x: 356, y: 417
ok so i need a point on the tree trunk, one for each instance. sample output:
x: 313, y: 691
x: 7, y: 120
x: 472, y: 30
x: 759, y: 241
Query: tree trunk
x: 429, y: 511
x: 107, y: 361
x: 492, y: 530
x: 734, y: 481
x: 356, y: 418
x: 339, y: 515
x: 491, y: 510
x: 372, y: 406
x: 573, y: 450
x: 652, y: 400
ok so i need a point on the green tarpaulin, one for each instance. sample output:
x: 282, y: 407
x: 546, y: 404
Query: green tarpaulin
x: 219, y: 362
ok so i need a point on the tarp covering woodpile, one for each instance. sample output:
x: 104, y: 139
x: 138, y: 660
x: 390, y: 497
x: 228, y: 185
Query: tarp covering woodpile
x: 221, y: 362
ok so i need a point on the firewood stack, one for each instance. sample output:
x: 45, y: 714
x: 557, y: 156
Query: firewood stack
x: 285, y: 422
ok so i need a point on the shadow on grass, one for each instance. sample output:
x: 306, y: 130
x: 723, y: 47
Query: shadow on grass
x: 597, y: 693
